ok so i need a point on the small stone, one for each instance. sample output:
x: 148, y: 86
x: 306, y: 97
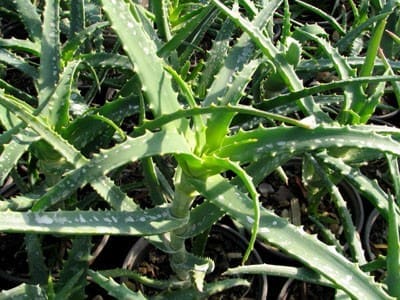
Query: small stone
x: 265, y: 189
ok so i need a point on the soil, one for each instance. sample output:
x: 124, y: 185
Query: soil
x: 291, y: 201
x: 13, y: 265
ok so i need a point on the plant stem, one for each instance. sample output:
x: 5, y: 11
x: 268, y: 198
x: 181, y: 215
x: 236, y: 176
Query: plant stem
x: 180, y: 209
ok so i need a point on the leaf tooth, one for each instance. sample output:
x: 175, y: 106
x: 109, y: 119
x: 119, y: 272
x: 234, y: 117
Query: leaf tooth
x: 261, y: 126
x: 209, y: 89
x: 220, y: 99
x: 241, y: 131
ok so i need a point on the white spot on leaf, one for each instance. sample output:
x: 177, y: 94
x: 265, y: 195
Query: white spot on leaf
x: 43, y: 219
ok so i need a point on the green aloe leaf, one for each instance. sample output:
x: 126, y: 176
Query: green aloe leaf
x: 323, y: 14
x: 72, y: 46
x: 141, y: 50
x: 78, y: 259
x: 198, y: 223
x: 393, y: 252
x: 132, y: 149
x: 209, y: 290
x: 29, y: 16
x: 49, y: 69
x: 291, y: 239
x: 325, y: 64
x: 393, y: 255
x: 288, y: 98
x: 353, y: 94
x: 12, y: 90
x: 140, y: 222
x: 24, y: 292
x: 13, y: 151
x: 147, y: 281
x: 350, y: 231
x: 20, y: 45
x: 193, y: 26
x: 103, y: 185
x: 228, y: 109
x: 18, y: 62
x: 248, y: 146
x: 356, y: 32
x: 36, y: 260
x: 58, y: 108
x: 277, y: 58
x: 214, y: 61
x: 369, y: 189
x: 119, y: 291
x: 107, y: 60
x: 235, y: 73
x: 77, y: 17
x: 299, y: 273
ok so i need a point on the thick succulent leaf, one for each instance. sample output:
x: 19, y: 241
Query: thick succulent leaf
x: 316, y: 177
x: 38, y: 270
x: 352, y: 93
x: 231, y: 80
x: 132, y: 149
x: 332, y: 21
x: 18, y: 203
x: 107, y: 60
x: 238, y: 56
x: 141, y: 50
x: 49, y: 68
x: 13, y: 151
x: 71, y: 47
x: 368, y: 188
x: 288, y: 98
x: 89, y: 133
x: 299, y: 273
x: 202, y: 217
x: 229, y: 109
x: 12, y: 90
x: 26, y: 114
x: 140, y: 222
x: 72, y: 286
x: 294, y: 240
x: 356, y: 32
x: 20, y: 45
x: 219, y: 122
x: 103, y: 185
x: 58, y: 107
x: 325, y: 64
x: 284, y: 69
x: 250, y: 145
x: 77, y: 13
x: 77, y: 262
x: 209, y: 290
x: 29, y: 16
x: 119, y: 291
x: 147, y: 281
x: 214, y: 62
x: 393, y: 252
x: 18, y: 62
x: 193, y: 26
x: 24, y: 292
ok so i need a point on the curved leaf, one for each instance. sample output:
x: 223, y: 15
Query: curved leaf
x: 140, y: 222
x: 250, y: 145
x: 132, y: 149
x: 294, y: 240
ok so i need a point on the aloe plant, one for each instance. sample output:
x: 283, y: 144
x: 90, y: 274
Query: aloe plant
x: 212, y: 118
